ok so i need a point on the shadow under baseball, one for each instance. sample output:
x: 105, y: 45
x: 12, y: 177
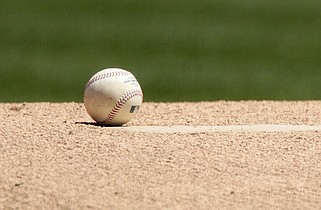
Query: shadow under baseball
x: 97, y: 124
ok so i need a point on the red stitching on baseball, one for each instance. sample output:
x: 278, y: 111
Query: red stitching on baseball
x: 115, y: 73
x: 120, y: 103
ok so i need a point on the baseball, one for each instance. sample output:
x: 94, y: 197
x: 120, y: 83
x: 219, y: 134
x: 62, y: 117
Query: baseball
x: 113, y: 96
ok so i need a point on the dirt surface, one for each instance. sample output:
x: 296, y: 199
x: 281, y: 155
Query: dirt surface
x: 53, y: 157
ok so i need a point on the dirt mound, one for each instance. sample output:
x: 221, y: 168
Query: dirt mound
x: 52, y: 156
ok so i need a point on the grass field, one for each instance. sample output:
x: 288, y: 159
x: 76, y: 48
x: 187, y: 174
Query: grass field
x: 180, y: 50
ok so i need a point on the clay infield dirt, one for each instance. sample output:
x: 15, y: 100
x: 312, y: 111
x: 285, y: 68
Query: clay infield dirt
x: 53, y: 157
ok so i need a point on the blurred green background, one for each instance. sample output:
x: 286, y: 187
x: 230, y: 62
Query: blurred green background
x: 179, y: 50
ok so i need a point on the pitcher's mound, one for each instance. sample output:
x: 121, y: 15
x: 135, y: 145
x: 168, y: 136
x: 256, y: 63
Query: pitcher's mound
x: 206, y: 155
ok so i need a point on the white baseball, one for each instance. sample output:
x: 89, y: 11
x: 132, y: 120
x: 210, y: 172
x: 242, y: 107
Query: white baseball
x: 113, y: 96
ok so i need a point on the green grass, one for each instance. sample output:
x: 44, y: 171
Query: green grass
x: 180, y: 50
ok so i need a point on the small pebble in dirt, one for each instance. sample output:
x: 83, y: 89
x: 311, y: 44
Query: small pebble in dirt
x: 15, y: 108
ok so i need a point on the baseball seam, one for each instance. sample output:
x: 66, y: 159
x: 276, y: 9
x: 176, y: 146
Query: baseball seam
x: 120, y: 103
x: 106, y: 75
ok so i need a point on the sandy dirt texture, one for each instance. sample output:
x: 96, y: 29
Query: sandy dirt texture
x: 53, y: 157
